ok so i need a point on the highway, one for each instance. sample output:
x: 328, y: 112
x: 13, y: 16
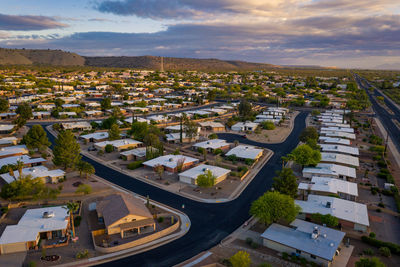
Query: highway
x: 210, y: 223
x: 383, y: 115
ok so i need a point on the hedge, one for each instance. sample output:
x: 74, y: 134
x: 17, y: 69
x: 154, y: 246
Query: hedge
x: 134, y: 165
x: 394, y: 248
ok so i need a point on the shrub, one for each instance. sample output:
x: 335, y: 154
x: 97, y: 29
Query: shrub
x: 84, y: 188
x: 285, y: 256
x: 327, y: 219
x: 254, y: 245
x: 134, y: 165
x: 394, y: 248
x: 372, y: 235
x: 385, y: 251
x: 213, y: 136
x: 249, y: 161
x: 382, y: 164
x: 377, y: 157
x: 249, y: 241
x: 378, y: 149
x: 82, y: 254
x: 218, y: 151
x: 368, y: 251
x: 381, y: 205
x: 160, y: 219
x: 268, y: 125
x: 109, y: 148
x: 4, y: 209
x: 32, y: 264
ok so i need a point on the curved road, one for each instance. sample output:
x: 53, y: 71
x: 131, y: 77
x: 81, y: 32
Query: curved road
x: 210, y: 223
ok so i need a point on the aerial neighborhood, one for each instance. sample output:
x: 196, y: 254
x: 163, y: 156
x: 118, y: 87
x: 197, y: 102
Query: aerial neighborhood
x: 96, y: 163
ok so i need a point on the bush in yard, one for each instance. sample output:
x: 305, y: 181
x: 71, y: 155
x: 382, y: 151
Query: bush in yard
x: 372, y: 235
x: 385, y: 251
x: 249, y: 241
x: 368, y: 251
x: 218, y: 151
x: 394, y: 248
x: 213, y: 136
x: 82, y: 254
x: 370, y: 262
x: 134, y: 165
x: 84, y: 188
x: 268, y: 125
x: 240, y: 259
x: 109, y: 148
x: 249, y: 161
x: 232, y: 158
x: 160, y: 219
x: 327, y: 219
x: 206, y: 180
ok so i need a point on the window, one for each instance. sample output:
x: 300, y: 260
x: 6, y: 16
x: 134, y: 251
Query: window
x: 313, y: 256
x: 298, y: 251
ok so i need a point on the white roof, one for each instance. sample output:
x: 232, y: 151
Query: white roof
x: 336, y: 124
x: 245, y: 152
x: 35, y: 172
x: 78, y: 124
x: 7, y: 140
x: 202, y: 169
x: 334, y: 140
x: 32, y: 223
x: 24, y: 158
x: 338, y: 129
x: 299, y: 236
x: 245, y: 124
x: 169, y: 161
x: 10, y: 150
x: 6, y: 127
x: 118, y: 143
x: 212, y: 144
x: 331, y: 169
x: 95, y: 136
x: 342, y: 209
x: 330, y: 185
x: 139, y: 152
x: 340, y: 149
x: 340, y: 159
x: 211, y: 124
x: 339, y: 134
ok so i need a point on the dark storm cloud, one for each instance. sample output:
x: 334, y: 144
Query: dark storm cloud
x: 28, y: 23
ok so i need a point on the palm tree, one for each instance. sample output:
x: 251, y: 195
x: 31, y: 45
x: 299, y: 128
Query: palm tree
x: 19, y: 166
x: 86, y: 168
x: 72, y: 207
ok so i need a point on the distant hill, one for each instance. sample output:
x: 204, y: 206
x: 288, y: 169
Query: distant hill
x: 172, y: 63
x: 39, y: 57
x: 62, y: 58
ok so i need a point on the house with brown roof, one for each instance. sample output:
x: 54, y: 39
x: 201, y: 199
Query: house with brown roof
x: 125, y: 215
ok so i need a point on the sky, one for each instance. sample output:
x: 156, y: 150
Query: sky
x: 339, y: 33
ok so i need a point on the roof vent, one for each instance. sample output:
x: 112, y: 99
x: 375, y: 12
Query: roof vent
x: 170, y: 159
x: 315, y: 233
x: 48, y: 214
x: 328, y: 204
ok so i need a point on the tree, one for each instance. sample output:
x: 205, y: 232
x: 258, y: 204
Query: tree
x: 245, y: 109
x: 59, y: 102
x: 25, y: 111
x: 66, y: 150
x: 305, y: 155
x: 19, y: 166
x: 308, y: 133
x: 4, y: 105
x: 268, y: 125
x: 19, y: 122
x: 206, y: 180
x: 36, y: 138
x: 85, y: 168
x: 27, y: 187
x: 190, y: 128
x: 370, y: 262
x: 159, y: 169
x: 105, y: 103
x: 72, y: 207
x: 240, y: 259
x: 114, y: 133
x: 286, y: 182
x: 273, y: 207
x: 139, y: 130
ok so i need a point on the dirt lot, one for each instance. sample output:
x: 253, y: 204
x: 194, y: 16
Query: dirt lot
x: 279, y: 134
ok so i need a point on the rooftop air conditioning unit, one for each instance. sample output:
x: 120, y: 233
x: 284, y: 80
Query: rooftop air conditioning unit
x: 48, y: 214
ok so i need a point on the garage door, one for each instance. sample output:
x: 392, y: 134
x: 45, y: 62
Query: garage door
x: 11, y: 248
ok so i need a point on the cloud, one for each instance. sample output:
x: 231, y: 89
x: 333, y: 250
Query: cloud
x: 100, y: 20
x: 315, y: 41
x: 28, y: 23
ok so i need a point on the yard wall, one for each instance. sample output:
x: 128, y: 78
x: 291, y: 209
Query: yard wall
x: 134, y: 243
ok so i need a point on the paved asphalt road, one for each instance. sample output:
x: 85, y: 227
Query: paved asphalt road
x: 384, y: 116
x: 210, y: 222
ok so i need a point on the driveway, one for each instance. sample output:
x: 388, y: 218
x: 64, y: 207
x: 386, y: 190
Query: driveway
x: 14, y: 259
